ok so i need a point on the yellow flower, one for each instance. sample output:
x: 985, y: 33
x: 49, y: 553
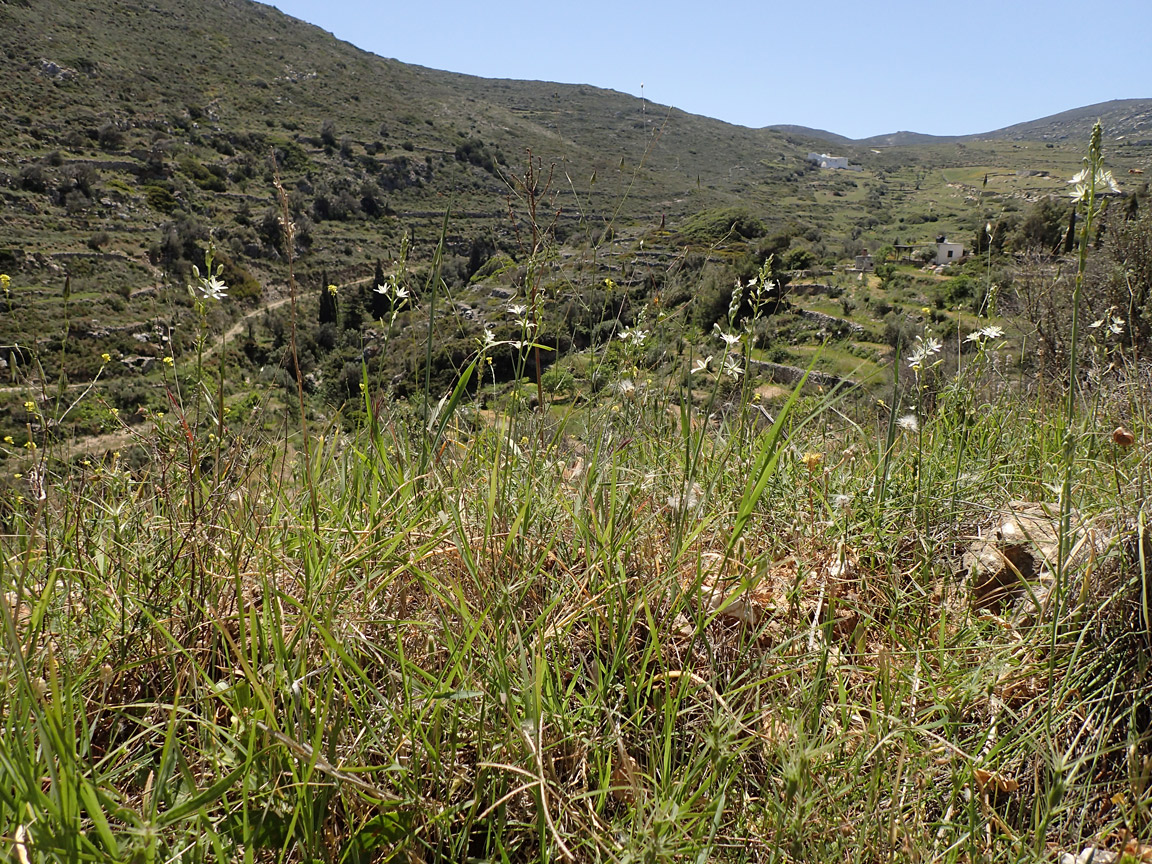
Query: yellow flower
x: 168, y: 361
x: 8, y: 439
x: 29, y: 445
x: 29, y: 406
x: 106, y: 357
x: 812, y: 460
x: 5, y: 281
x: 332, y: 289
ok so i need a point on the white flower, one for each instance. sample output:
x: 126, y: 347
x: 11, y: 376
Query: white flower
x: 732, y: 368
x: 517, y: 309
x: 989, y: 332
x: 626, y: 387
x: 702, y: 365
x: 924, y: 349
x: 489, y: 340
x: 216, y: 289
x: 634, y: 336
x: 909, y: 423
x: 398, y: 292
x: 1117, y: 325
x: 209, y: 289
x: 730, y: 339
x: 1081, y: 183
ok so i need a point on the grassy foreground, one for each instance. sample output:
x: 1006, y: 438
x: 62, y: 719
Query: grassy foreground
x: 673, y: 637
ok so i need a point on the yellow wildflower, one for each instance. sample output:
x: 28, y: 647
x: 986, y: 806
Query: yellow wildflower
x: 106, y: 357
x: 812, y: 460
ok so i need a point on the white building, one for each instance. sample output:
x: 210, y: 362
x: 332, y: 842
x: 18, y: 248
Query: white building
x: 948, y: 253
x: 826, y: 161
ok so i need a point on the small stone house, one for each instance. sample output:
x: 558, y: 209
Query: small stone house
x: 948, y: 252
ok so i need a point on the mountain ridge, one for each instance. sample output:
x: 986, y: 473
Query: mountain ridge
x: 1120, y: 118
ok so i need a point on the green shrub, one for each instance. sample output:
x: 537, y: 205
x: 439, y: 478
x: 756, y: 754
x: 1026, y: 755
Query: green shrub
x: 160, y: 198
x: 716, y: 224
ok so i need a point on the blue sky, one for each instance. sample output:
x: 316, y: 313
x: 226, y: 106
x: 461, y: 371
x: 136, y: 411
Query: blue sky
x: 849, y: 67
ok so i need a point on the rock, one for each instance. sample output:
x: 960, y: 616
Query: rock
x: 138, y: 362
x: 1016, y: 554
x: 1088, y: 855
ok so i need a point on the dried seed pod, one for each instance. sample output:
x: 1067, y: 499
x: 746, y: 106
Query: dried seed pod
x: 1123, y: 437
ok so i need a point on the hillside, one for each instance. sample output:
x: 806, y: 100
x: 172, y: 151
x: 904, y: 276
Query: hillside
x: 189, y: 99
x: 1124, y: 120
x: 170, y: 72
x: 1127, y: 120
x: 139, y: 133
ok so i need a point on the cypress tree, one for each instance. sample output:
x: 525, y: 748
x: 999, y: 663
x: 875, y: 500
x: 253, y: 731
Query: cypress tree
x: 328, y: 307
x: 354, y: 303
x: 379, y: 302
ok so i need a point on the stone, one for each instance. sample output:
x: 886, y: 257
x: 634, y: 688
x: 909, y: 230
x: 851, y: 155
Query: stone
x: 1016, y: 553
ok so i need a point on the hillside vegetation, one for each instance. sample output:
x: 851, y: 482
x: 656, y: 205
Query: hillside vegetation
x: 403, y: 466
x: 138, y: 134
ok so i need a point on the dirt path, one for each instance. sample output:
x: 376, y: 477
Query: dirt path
x: 242, y: 322
x: 235, y: 330
x: 97, y: 444
x: 231, y: 333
